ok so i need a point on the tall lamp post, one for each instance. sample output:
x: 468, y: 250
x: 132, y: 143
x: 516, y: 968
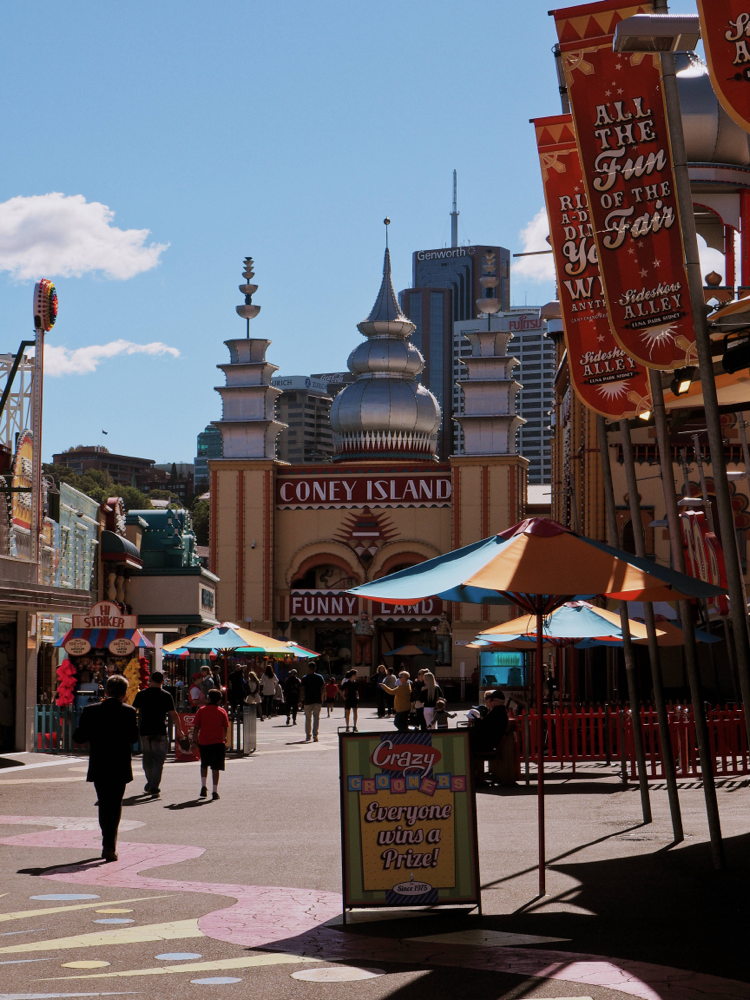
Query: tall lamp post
x: 665, y: 33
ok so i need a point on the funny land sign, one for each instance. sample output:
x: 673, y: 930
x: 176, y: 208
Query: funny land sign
x: 408, y: 819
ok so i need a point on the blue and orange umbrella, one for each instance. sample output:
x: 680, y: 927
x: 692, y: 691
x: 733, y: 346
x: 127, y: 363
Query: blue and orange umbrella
x: 537, y: 565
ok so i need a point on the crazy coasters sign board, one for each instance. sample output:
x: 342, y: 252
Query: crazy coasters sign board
x: 623, y: 140
x: 408, y: 819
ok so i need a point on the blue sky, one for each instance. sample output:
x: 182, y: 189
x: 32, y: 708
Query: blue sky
x: 285, y: 131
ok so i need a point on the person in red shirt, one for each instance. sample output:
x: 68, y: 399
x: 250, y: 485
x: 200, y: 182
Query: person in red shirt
x: 210, y: 733
x: 332, y: 689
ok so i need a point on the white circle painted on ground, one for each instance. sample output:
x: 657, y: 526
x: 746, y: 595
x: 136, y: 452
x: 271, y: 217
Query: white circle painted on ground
x: 92, y: 963
x: 336, y: 974
x: 67, y: 895
x: 115, y: 920
x: 178, y: 956
x: 216, y: 980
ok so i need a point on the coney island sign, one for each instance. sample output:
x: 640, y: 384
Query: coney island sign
x: 377, y: 489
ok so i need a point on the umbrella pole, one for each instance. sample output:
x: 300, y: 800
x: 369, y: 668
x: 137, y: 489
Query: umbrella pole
x: 627, y: 646
x: 573, y: 704
x: 691, y: 654
x: 653, y: 645
x: 540, y: 741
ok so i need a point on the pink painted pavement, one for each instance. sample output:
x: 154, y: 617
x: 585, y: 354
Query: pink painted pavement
x: 294, y: 921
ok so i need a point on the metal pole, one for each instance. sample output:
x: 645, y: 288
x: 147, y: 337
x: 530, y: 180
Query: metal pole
x: 691, y: 656
x: 37, y: 514
x: 711, y: 405
x: 540, y: 741
x: 627, y: 646
x: 653, y: 643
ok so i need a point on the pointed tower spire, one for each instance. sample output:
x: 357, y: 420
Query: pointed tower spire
x: 454, y: 213
x: 386, y: 318
x: 386, y: 413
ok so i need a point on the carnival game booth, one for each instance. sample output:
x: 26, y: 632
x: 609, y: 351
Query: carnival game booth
x: 101, y: 643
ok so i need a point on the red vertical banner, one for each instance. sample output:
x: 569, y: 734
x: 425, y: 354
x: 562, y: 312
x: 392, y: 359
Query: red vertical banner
x: 725, y: 30
x: 621, y: 129
x: 605, y: 378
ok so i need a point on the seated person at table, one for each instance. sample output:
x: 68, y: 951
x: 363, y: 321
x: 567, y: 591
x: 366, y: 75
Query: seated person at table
x: 486, y: 733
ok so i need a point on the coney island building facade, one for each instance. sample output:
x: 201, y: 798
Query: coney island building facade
x: 287, y: 541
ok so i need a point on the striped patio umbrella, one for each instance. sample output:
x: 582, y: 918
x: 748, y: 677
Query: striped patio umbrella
x: 571, y: 622
x: 537, y: 565
x: 226, y: 639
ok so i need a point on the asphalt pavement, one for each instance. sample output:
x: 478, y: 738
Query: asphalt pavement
x: 241, y: 896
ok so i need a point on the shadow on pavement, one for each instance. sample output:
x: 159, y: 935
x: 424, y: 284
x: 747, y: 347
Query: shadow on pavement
x: 668, y: 907
x: 190, y: 804
x: 574, y: 786
x: 74, y: 866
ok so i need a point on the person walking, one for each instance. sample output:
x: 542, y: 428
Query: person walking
x: 402, y: 702
x: 253, y: 692
x: 206, y: 683
x: 380, y: 675
x: 350, y: 694
x: 417, y: 703
x: 110, y: 728
x: 332, y: 689
x: 441, y: 715
x: 210, y: 733
x: 292, y: 689
x: 430, y: 694
x: 388, y: 687
x: 153, y: 706
x: 268, y: 683
x: 313, y: 696
x: 237, y: 690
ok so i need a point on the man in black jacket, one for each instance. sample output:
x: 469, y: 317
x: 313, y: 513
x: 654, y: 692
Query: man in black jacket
x: 110, y: 729
x: 486, y: 733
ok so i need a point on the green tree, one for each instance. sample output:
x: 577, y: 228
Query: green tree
x: 200, y: 514
x: 133, y: 499
x: 99, y: 485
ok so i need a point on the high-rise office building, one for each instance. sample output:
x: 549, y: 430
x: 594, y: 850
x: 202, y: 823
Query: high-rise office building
x: 209, y: 446
x: 304, y: 406
x: 430, y: 310
x: 536, y: 373
x: 446, y: 284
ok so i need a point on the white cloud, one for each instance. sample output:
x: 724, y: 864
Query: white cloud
x: 711, y: 260
x: 66, y: 236
x: 533, y: 238
x: 84, y: 360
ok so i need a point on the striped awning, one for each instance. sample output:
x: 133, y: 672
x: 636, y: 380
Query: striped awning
x: 100, y: 638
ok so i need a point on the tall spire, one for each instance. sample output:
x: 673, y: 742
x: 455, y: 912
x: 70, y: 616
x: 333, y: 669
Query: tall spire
x: 454, y: 213
x: 386, y: 318
x: 386, y: 413
x: 248, y: 311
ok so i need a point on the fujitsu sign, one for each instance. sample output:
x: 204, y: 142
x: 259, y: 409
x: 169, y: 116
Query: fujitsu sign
x: 424, y: 489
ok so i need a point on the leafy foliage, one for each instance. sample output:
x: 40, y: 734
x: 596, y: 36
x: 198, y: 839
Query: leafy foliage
x: 200, y: 515
x: 99, y: 485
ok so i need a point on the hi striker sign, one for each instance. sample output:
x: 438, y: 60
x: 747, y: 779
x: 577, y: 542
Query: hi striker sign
x: 408, y: 819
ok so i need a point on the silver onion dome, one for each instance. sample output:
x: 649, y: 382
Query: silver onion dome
x: 386, y: 413
x: 710, y: 134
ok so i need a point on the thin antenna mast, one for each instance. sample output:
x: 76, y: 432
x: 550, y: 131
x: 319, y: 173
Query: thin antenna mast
x: 454, y: 213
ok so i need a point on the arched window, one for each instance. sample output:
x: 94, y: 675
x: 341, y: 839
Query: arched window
x: 324, y: 575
